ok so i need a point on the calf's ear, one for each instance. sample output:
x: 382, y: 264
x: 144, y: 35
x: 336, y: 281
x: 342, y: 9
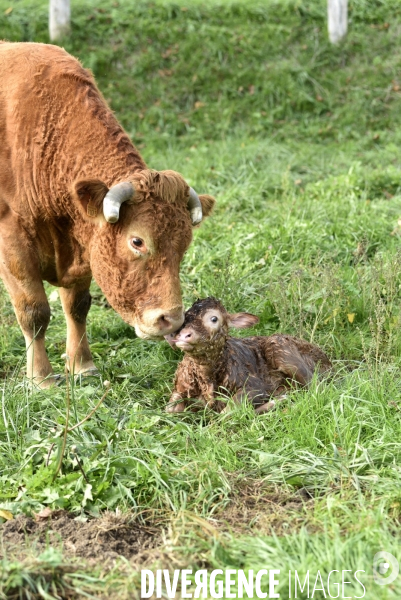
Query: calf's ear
x: 208, y: 203
x: 89, y: 195
x: 242, y: 320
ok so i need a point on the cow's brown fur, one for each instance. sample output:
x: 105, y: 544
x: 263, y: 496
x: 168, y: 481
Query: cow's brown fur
x: 257, y: 368
x: 61, y: 149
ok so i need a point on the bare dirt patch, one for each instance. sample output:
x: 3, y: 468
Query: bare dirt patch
x: 267, y: 509
x: 99, y: 540
x: 253, y: 507
x: 93, y: 546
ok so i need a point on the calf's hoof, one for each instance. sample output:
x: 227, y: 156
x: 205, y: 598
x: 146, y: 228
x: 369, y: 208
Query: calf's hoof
x: 175, y: 407
x: 268, y: 406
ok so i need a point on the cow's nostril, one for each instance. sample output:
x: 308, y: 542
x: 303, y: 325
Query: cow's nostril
x: 168, y: 321
x: 164, y: 322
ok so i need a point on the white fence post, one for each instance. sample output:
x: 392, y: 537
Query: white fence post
x: 337, y: 12
x: 59, y: 19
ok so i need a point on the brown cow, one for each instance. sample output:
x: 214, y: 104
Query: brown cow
x: 76, y: 200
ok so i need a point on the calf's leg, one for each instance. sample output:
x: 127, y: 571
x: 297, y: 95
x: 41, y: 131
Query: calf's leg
x: 289, y: 361
x: 76, y: 303
x: 174, y: 405
x: 255, y: 391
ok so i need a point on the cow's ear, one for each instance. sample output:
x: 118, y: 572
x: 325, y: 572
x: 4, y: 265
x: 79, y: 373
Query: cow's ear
x: 208, y: 203
x: 242, y: 320
x: 89, y: 195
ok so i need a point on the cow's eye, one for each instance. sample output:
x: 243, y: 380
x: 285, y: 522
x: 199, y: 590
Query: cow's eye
x: 214, y: 319
x: 138, y: 245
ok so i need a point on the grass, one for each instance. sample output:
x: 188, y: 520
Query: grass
x: 299, y: 142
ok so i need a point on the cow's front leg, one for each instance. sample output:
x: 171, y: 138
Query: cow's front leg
x: 20, y: 271
x: 33, y: 314
x: 76, y: 303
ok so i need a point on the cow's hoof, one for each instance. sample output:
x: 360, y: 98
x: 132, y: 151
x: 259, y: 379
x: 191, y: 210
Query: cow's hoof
x: 40, y: 383
x: 87, y: 373
x: 91, y: 372
x: 78, y: 369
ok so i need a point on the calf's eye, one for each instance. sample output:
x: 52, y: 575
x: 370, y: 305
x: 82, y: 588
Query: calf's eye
x: 137, y: 242
x: 214, y: 319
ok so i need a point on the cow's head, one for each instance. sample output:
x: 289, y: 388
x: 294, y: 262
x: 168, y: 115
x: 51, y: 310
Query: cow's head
x: 141, y: 230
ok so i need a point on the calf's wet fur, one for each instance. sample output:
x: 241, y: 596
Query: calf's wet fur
x: 260, y: 369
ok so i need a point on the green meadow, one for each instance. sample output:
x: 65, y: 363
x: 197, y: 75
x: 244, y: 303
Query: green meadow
x: 299, y: 142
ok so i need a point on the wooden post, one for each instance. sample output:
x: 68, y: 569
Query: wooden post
x: 59, y: 19
x: 337, y: 12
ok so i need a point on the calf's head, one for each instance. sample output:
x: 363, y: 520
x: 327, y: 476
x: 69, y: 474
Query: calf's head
x: 140, y: 231
x: 205, y: 327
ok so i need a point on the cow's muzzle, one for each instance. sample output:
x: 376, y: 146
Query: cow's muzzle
x: 156, y: 323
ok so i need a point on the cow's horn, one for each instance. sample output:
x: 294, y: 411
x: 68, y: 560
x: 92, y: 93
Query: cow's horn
x: 119, y: 193
x: 195, y: 207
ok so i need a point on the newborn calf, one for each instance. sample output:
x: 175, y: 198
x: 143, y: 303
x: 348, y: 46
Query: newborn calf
x: 258, y: 368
